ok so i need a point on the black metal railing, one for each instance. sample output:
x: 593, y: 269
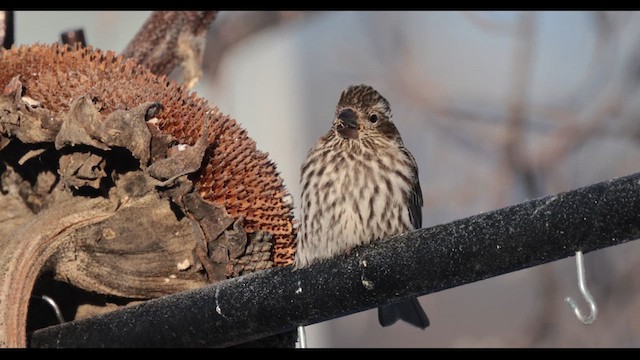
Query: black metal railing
x: 413, y: 264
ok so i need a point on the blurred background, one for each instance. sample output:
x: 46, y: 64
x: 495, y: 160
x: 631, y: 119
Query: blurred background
x: 497, y: 107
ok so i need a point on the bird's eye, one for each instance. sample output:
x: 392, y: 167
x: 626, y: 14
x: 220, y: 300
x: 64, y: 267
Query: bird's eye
x: 373, y: 118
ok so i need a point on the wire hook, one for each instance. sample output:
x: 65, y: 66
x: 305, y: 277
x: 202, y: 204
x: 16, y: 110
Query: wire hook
x: 52, y: 303
x: 585, y: 292
x: 302, y: 337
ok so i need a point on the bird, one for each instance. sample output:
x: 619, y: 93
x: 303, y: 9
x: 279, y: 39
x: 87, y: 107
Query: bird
x: 359, y: 184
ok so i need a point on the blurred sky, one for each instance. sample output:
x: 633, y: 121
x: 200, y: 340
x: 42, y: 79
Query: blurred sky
x: 283, y: 85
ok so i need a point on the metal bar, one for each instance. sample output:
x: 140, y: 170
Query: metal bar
x: 7, y: 29
x: 417, y: 263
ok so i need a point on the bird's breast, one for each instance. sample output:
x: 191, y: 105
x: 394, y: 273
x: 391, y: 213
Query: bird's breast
x: 351, y: 198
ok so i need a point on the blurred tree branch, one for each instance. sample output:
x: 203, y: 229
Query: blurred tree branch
x: 514, y: 146
x: 171, y: 38
x: 485, y: 24
x: 236, y: 26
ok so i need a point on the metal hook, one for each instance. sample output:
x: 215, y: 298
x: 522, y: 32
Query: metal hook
x: 585, y: 292
x: 302, y: 337
x: 53, y: 305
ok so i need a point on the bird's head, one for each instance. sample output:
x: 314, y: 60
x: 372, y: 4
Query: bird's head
x: 363, y: 113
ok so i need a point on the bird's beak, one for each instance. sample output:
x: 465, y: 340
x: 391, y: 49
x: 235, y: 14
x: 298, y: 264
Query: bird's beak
x: 347, y: 124
x: 349, y: 118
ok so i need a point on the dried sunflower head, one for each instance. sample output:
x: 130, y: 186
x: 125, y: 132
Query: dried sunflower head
x: 236, y: 175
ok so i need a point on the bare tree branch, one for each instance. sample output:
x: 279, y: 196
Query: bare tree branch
x: 542, y: 324
x: 516, y: 132
x: 571, y: 137
x: 171, y: 38
x: 235, y: 27
x: 489, y: 25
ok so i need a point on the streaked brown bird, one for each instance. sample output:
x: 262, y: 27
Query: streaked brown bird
x: 360, y: 184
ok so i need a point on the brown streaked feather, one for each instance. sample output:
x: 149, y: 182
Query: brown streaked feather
x: 415, y: 197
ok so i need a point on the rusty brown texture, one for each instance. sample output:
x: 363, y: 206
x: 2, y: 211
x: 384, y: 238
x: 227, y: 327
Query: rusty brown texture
x: 123, y: 183
x: 235, y: 174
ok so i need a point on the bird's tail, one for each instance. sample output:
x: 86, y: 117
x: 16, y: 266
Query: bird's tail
x: 409, y: 311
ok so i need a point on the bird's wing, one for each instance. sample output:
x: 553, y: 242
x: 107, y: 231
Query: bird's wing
x: 415, y: 197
